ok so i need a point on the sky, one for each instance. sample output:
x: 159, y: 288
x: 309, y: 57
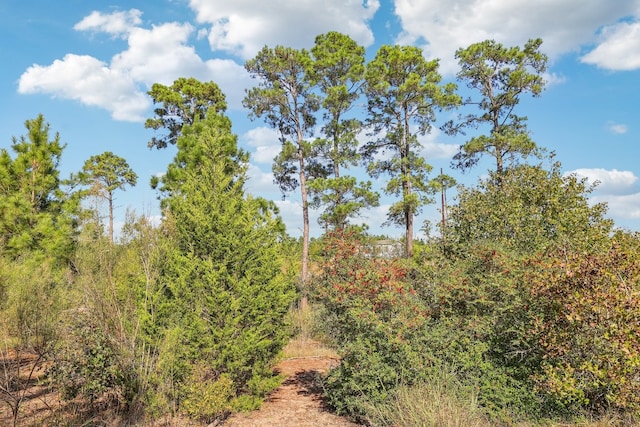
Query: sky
x: 87, y: 66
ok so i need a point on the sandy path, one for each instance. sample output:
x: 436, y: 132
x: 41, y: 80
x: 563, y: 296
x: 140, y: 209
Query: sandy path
x: 298, y: 402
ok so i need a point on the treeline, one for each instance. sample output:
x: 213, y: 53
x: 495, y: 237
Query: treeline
x: 181, y: 318
x: 524, y: 309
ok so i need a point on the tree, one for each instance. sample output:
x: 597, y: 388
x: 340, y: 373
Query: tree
x: 285, y: 100
x: 181, y: 104
x: 106, y: 173
x: 226, y: 298
x: 338, y: 71
x: 501, y: 76
x: 35, y: 214
x: 190, y: 153
x: 403, y: 94
x: 527, y: 210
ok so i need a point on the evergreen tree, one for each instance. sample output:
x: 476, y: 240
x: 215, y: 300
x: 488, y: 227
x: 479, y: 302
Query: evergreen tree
x: 338, y: 72
x: 285, y: 99
x: 35, y: 214
x: 106, y: 173
x: 182, y: 103
x: 225, y: 296
x: 501, y: 76
x: 403, y: 92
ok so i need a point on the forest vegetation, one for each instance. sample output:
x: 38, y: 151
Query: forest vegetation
x: 522, y: 309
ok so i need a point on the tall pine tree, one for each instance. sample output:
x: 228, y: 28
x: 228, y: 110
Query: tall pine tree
x: 35, y: 214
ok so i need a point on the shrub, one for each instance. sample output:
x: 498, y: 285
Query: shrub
x: 207, y: 398
x: 589, y: 306
x: 372, y: 318
x: 86, y: 363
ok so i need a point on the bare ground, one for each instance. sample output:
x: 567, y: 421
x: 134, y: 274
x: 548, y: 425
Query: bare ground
x: 298, y: 402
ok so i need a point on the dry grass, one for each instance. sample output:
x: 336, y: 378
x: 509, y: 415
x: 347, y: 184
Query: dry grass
x: 305, y: 343
x: 436, y: 403
x: 306, y: 347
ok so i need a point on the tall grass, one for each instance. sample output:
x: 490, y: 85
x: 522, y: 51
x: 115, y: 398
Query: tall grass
x: 306, y: 341
x: 438, y: 402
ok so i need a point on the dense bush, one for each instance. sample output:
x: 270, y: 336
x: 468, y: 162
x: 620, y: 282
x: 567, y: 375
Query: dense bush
x: 87, y: 363
x: 538, y: 317
x: 372, y: 316
x: 587, y: 327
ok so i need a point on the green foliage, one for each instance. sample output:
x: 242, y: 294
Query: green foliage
x: 403, y: 92
x: 105, y: 173
x: 527, y: 209
x: 534, y: 273
x: 207, y: 399
x: 338, y: 71
x: 33, y: 302
x: 285, y: 100
x: 372, y: 317
x: 488, y: 306
x: 102, y: 355
x: 225, y: 298
x: 588, y: 305
x: 182, y: 103
x: 191, y: 152
x: 87, y: 364
x: 35, y: 215
x: 500, y: 75
x: 478, y: 311
x: 343, y: 197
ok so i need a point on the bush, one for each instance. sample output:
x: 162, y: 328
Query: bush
x: 86, y: 363
x: 372, y: 318
x: 207, y: 398
x: 588, y: 306
x: 396, y: 325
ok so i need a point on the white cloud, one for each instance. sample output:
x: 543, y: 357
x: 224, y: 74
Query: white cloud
x: 617, y: 128
x: 84, y: 78
x: 621, y: 206
x: 243, y: 27
x: 438, y: 150
x: 619, y: 48
x: 116, y: 23
x: 610, y: 181
x: 553, y: 79
x: 261, y: 183
x: 431, y: 149
x: 266, y: 144
x: 563, y: 25
x: 157, y: 55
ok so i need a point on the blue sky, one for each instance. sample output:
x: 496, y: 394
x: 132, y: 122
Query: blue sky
x: 86, y: 65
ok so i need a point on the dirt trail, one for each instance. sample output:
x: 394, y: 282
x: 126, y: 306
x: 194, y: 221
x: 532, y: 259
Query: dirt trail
x: 298, y: 402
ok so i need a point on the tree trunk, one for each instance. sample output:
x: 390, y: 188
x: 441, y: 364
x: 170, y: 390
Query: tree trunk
x: 406, y: 188
x: 305, y: 231
x: 110, y: 198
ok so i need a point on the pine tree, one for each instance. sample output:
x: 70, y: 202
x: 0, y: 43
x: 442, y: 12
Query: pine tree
x: 35, y: 214
x: 105, y: 173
